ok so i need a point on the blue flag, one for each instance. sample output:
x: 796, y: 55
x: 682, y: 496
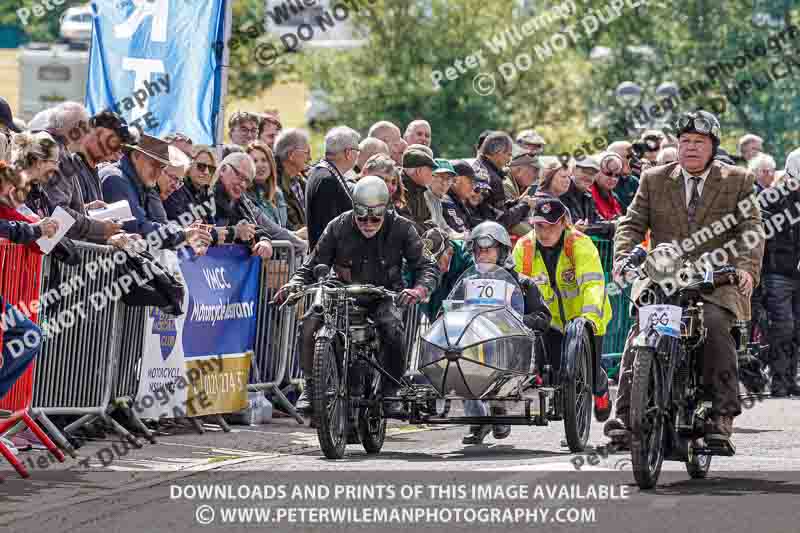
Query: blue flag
x: 158, y: 64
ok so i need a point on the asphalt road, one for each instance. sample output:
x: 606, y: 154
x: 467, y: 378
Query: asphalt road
x: 425, y: 471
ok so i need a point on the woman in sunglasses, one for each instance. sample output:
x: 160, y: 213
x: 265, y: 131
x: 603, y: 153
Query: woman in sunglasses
x: 197, y: 189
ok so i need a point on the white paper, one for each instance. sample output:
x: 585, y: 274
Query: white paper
x: 65, y: 221
x: 487, y: 292
x: 665, y: 318
x: 120, y: 210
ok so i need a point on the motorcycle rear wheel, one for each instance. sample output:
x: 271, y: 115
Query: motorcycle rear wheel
x: 647, y: 420
x: 331, y: 401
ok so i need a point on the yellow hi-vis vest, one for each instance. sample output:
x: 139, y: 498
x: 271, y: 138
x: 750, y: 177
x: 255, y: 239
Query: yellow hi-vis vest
x: 580, y: 288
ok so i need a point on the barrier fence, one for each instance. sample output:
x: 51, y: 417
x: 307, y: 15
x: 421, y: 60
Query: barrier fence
x: 91, y: 357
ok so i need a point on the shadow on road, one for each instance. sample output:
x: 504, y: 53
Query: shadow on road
x: 730, y: 486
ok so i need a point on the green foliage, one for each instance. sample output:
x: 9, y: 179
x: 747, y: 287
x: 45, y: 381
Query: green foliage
x: 44, y: 28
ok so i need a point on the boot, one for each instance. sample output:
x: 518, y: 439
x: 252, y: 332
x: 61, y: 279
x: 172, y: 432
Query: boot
x: 720, y: 429
x: 618, y: 431
x: 476, y: 434
x: 500, y: 431
x: 304, y: 404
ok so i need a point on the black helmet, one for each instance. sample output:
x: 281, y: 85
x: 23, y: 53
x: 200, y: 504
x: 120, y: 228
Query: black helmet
x: 701, y: 122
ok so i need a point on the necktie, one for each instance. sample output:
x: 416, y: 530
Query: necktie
x: 694, y: 197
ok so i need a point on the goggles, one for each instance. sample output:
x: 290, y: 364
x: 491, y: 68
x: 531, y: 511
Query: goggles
x: 698, y: 123
x: 372, y: 214
x: 484, y: 242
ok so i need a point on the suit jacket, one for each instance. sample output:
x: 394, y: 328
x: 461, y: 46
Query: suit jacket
x: 660, y: 206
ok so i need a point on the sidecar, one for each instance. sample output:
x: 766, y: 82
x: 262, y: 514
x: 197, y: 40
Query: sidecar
x: 480, y: 349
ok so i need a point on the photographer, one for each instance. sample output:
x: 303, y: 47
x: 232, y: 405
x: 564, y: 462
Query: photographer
x: 628, y: 182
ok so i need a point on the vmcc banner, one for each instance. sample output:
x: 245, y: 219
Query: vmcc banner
x: 156, y: 64
x: 198, y: 364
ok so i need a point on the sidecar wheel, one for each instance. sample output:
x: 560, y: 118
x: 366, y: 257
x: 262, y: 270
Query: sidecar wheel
x: 577, y: 387
x: 331, y: 401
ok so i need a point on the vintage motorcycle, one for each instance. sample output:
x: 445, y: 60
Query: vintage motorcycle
x: 477, y: 349
x: 669, y: 403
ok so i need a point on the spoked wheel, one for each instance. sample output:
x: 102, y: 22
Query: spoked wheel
x: 647, y: 421
x: 698, y: 466
x: 330, y: 400
x: 578, y: 393
x: 371, y: 422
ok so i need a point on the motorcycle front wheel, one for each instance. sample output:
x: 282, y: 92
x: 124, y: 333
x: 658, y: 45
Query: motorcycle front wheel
x: 331, y: 400
x: 371, y: 422
x: 577, y: 388
x: 647, y: 419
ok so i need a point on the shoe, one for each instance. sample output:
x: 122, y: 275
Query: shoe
x: 500, y: 431
x: 304, y: 405
x: 793, y: 390
x: 619, y: 433
x: 476, y: 434
x: 720, y: 429
x: 602, y: 407
x: 21, y: 443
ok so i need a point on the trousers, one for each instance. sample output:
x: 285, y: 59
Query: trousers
x: 782, y: 303
x: 21, y: 344
x: 388, y: 320
x: 719, y: 365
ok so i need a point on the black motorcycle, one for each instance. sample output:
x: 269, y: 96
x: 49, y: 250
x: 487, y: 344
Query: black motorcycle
x: 670, y: 406
x: 347, y: 401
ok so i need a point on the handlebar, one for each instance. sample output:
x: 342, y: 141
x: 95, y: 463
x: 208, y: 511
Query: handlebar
x: 332, y: 286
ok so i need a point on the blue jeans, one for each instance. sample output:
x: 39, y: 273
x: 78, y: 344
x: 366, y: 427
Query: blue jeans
x: 782, y: 302
x: 22, y: 341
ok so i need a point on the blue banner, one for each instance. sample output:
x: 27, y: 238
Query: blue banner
x: 223, y: 298
x: 156, y: 64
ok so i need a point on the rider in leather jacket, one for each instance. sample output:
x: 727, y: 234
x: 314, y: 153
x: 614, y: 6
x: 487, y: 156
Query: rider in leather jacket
x: 368, y: 245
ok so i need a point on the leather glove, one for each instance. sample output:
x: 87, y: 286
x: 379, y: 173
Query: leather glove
x: 284, y: 293
x: 412, y: 296
x: 536, y: 321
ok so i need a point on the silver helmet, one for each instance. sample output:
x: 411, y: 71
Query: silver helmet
x: 486, y: 233
x: 370, y: 191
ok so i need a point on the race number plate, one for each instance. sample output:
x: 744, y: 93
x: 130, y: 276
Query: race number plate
x: 487, y: 292
x: 665, y: 318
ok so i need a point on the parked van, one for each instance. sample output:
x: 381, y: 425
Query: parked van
x: 49, y: 74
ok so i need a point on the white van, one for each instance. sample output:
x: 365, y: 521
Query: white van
x: 49, y: 74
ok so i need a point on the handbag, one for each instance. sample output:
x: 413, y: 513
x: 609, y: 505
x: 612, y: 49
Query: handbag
x: 162, y: 289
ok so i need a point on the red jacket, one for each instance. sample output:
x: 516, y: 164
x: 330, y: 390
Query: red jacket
x: 607, y: 204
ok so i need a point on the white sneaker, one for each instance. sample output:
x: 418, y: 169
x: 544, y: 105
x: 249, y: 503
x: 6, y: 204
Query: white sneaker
x: 10, y: 445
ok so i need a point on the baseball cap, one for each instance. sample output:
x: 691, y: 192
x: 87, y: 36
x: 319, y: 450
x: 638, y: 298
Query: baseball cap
x: 530, y: 137
x: 445, y: 167
x: 414, y: 157
x: 589, y: 162
x: 6, y: 117
x: 548, y: 211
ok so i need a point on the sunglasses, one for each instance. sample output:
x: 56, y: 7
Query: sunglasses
x: 203, y: 167
x: 370, y: 214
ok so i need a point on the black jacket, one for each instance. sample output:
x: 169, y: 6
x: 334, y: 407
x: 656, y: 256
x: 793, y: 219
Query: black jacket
x: 457, y: 214
x: 198, y: 202
x: 230, y: 213
x: 415, y: 201
x: 581, y: 207
x: 782, y: 250
x: 326, y: 199
x: 497, y: 199
x: 377, y: 261
x: 19, y: 232
x: 88, y: 179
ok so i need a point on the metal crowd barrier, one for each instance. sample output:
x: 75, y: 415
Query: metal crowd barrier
x: 275, y: 331
x: 80, y: 355
x: 20, y: 279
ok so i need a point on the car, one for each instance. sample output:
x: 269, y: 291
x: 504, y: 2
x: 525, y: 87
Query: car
x: 318, y: 108
x: 76, y: 24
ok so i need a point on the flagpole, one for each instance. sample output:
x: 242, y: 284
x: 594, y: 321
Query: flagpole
x: 226, y: 54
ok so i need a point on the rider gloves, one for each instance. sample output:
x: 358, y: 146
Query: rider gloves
x: 284, y: 293
x: 412, y: 296
x: 537, y: 321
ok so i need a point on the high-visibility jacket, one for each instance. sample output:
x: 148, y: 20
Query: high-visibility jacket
x: 580, y: 288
